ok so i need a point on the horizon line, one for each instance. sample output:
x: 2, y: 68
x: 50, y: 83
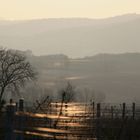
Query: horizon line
x: 72, y: 17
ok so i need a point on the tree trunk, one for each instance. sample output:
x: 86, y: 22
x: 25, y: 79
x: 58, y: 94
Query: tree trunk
x: 1, y: 94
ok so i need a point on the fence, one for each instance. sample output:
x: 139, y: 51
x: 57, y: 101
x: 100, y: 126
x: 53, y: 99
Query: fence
x: 71, y: 121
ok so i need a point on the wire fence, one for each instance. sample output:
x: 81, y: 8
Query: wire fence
x: 70, y: 121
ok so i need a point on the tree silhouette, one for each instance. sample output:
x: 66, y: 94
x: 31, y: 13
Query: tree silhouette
x: 15, y: 70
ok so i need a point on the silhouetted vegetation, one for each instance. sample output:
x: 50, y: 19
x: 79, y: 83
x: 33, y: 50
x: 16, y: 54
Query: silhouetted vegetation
x: 15, y: 70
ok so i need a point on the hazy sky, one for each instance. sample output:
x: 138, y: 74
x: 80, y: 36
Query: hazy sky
x: 29, y: 9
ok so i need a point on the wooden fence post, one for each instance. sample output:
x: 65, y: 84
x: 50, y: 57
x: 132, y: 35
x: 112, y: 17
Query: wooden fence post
x: 50, y: 108
x: 93, y: 107
x: 56, y: 106
x: 124, y: 111
x: 10, y: 112
x: 112, y: 112
x: 133, y: 110
x: 98, y: 115
x: 21, y: 104
x: 21, y: 120
x: 98, y: 110
x: 66, y: 106
x: 16, y: 106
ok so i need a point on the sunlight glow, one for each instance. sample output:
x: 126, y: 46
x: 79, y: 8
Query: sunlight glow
x: 31, y: 9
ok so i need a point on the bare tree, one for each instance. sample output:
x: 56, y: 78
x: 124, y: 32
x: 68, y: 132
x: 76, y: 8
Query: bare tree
x: 15, y: 70
x: 68, y: 93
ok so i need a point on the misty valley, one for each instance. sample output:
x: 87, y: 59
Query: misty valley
x: 115, y: 77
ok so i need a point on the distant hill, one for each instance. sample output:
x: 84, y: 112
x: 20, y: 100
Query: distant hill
x: 75, y: 37
x: 115, y: 75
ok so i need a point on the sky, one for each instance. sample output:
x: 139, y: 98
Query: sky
x: 34, y: 9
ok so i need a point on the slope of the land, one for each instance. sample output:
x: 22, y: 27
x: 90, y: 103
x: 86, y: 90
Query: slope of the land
x: 73, y: 37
